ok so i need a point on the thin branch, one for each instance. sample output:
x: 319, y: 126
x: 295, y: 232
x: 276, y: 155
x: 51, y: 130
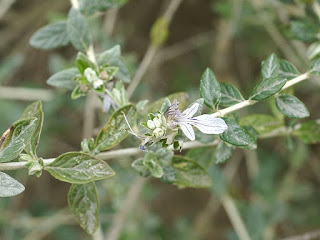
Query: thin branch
x: 152, y: 50
x: 26, y: 94
x: 306, y: 236
x: 5, y: 6
x: 129, y: 203
x: 110, y: 21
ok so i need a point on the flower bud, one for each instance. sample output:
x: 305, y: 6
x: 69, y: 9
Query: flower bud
x: 91, y: 75
x: 157, y: 122
x: 158, y: 133
x: 151, y: 124
x: 97, y: 83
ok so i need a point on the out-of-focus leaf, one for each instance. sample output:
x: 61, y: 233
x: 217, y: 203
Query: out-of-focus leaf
x: 315, y: 67
x: 262, y: 123
x: 141, y: 167
x: 9, y: 66
x: 84, y: 203
x: 9, y: 186
x: 230, y: 95
x: 267, y: 87
x: 159, y: 31
x: 308, y: 132
x: 287, y: 70
x: 270, y: 67
x: 51, y: 36
x: 223, y: 152
x: 166, y: 104
x: 181, y: 97
x: 113, y: 132
x: 304, y: 30
x: 89, y: 7
x: 34, y: 110
x: 210, y: 89
x: 201, y: 155
x: 64, y: 79
x: 313, y: 50
x: 189, y: 173
x: 79, y: 168
x: 235, y: 134
x: 16, y: 138
x: 78, y: 30
x: 291, y: 106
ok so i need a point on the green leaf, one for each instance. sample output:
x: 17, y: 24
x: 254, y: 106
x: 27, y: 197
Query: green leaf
x: 164, y: 156
x: 84, y: 204
x: 200, y: 101
x: 230, y: 95
x: 181, y: 97
x: 83, y: 62
x: 267, y: 87
x: 291, y: 106
x: 210, y: 89
x: 223, y: 152
x: 189, y: 173
x: 201, y: 155
x: 89, y: 7
x: 166, y: 104
x: 313, y: 50
x: 107, y: 56
x: 16, y: 138
x: 34, y: 110
x: 308, y: 132
x: 304, y: 30
x: 235, y: 135
x: 159, y: 31
x: 79, y: 168
x: 114, y: 130
x: 78, y: 30
x: 9, y: 186
x: 262, y: 123
x: 169, y: 174
x: 141, y: 167
x: 315, y: 67
x: 287, y: 70
x: 51, y: 36
x: 270, y: 67
x: 154, y: 167
x: 64, y: 79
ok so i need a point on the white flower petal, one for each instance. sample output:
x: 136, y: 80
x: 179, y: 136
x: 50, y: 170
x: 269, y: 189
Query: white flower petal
x: 208, y: 124
x: 189, y: 112
x: 188, y: 131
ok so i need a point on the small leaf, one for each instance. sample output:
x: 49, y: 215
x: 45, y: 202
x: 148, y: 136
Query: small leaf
x: 166, y: 104
x: 141, y: 167
x: 223, y: 152
x: 34, y: 110
x: 315, y: 67
x: 267, y: 87
x: 235, y: 134
x: 64, y: 79
x: 9, y: 186
x: 270, y: 67
x: 287, y: 70
x: 313, y: 51
x: 83, y: 62
x: 190, y: 173
x: 154, y: 167
x: 17, y: 138
x: 304, y: 30
x: 78, y: 30
x: 210, y: 89
x: 169, y: 175
x: 230, y: 95
x: 51, y: 36
x: 164, y: 156
x: 114, y: 130
x: 84, y: 204
x: 308, y: 132
x: 291, y: 106
x: 78, y: 168
x: 262, y: 123
x: 107, y: 56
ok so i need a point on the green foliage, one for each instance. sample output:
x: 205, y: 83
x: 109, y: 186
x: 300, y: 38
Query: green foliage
x: 223, y: 152
x: 304, y: 30
x: 270, y: 67
x: 189, y: 173
x: 84, y: 204
x: 83, y: 62
x: 79, y: 168
x: 9, y: 187
x: 201, y: 155
x: 267, y: 87
x: 16, y: 138
x: 90, y: 7
x: 159, y: 32
x: 51, y: 36
x: 315, y: 67
x: 230, y: 95
x: 308, y: 132
x: 78, y: 30
x: 114, y: 130
x: 287, y: 70
x: 210, y: 89
x: 262, y: 123
x: 34, y: 110
x: 166, y: 104
x: 64, y: 79
x: 291, y: 106
x: 181, y: 97
x: 235, y: 134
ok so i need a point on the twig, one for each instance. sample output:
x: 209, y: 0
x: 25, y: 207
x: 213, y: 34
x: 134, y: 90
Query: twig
x: 152, y: 50
x: 89, y: 116
x: 26, y: 94
x: 110, y: 20
x: 130, y: 201
x: 306, y: 236
x: 5, y: 6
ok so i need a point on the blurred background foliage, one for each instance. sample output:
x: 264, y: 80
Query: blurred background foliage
x: 275, y: 187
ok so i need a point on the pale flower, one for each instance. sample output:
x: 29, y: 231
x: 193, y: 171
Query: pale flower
x: 205, y: 123
x: 92, y: 77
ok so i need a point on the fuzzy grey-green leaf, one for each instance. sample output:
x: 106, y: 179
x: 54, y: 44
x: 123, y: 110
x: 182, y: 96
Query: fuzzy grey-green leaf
x: 267, y: 87
x: 230, y: 95
x: 9, y: 186
x: 51, y: 36
x: 235, y: 134
x: 287, y: 70
x: 114, y: 130
x: 223, y: 152
x: 210, y: 89
x: 84, y: 203
x: 270, y: 67
x: 64, y: 79
x: 79, y: 168
x: 291, y: 106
